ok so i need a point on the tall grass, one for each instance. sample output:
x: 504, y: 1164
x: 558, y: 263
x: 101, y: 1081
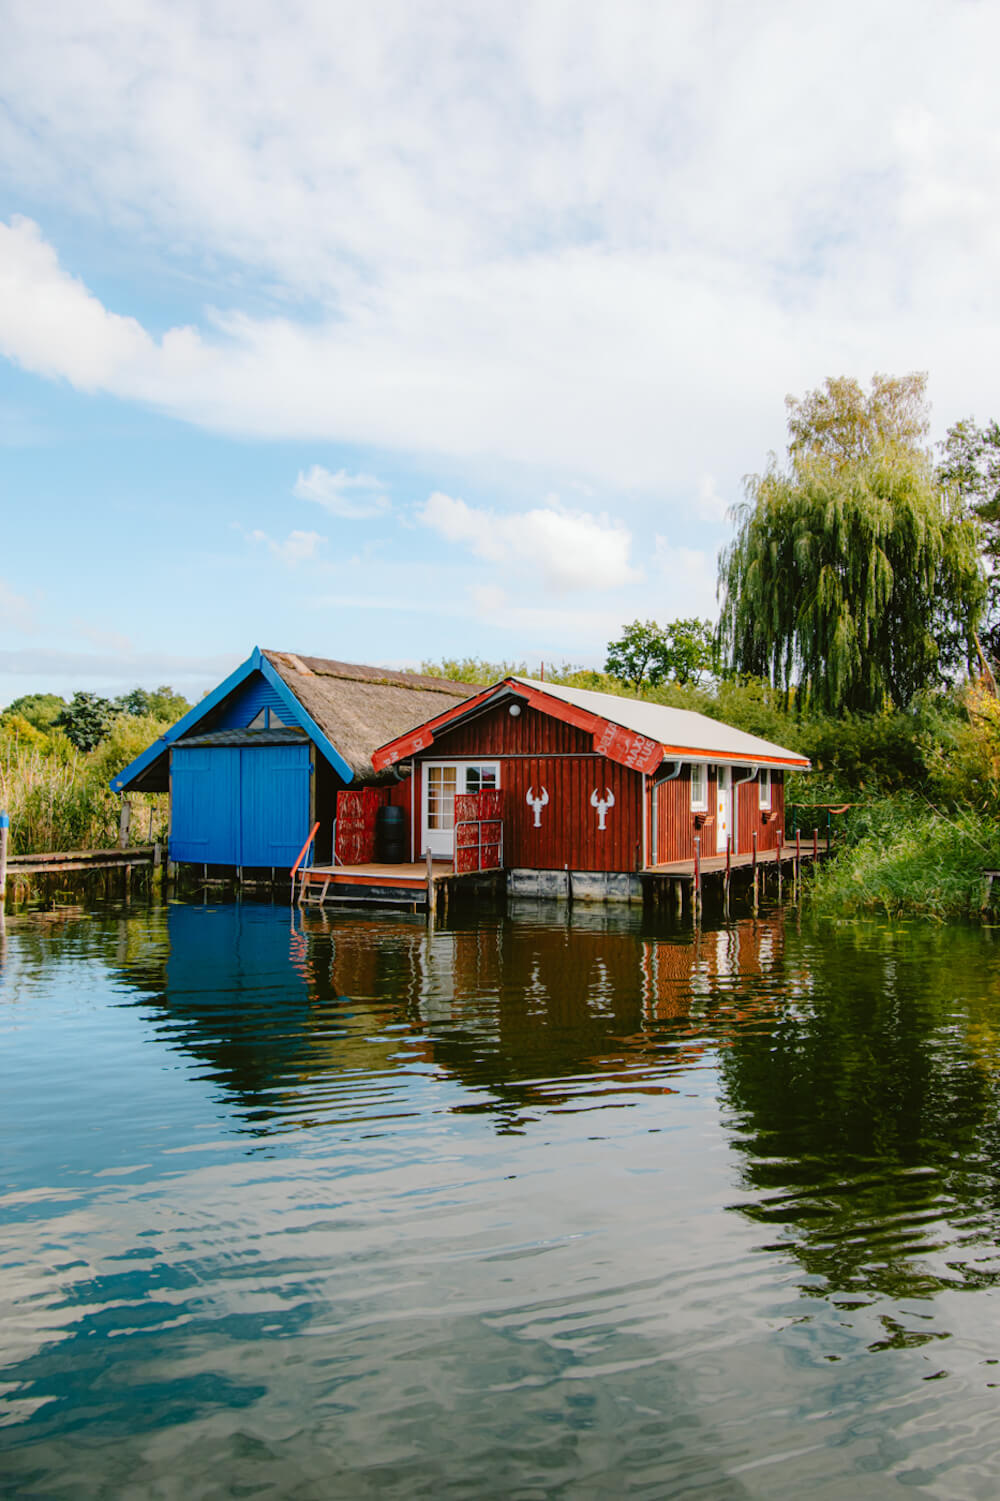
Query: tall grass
x: 59, y: 798
x: 904, y: 857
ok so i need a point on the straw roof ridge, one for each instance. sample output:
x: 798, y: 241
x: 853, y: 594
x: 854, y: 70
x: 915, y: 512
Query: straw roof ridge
x: 360, y: 708
x: 295, y: 662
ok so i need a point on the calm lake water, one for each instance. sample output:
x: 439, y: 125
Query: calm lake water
x: 552, y: 1205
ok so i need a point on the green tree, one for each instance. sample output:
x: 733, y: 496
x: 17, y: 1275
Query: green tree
x: 854, y: 576
x: 970, y: 461
x: 842, y: 423
x: 647, y: 653
x: 159, y: 703
x: 39, y: 709
x: 86, y: 720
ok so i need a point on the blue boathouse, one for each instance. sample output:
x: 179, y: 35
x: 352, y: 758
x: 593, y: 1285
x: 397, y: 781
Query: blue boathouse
x: 260, y: 760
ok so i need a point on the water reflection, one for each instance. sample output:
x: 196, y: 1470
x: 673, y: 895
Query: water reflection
x: 563, y: 1200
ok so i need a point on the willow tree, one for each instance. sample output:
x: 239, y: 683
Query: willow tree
x: 854, y: 576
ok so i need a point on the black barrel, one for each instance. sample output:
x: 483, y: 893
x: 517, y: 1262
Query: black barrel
x: 390, y: 835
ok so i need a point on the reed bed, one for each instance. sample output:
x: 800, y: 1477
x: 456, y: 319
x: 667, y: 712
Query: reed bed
x: 59, y: 798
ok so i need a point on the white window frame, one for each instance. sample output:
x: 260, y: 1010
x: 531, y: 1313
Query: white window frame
x: 441, y: 842
x: 764, y: 787
x: 700, y: 804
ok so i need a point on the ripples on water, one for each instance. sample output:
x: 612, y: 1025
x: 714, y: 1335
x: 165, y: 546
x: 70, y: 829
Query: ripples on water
x: 561, y: 1204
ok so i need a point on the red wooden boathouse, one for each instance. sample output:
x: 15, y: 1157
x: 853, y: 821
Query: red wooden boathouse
x: 595, y: 788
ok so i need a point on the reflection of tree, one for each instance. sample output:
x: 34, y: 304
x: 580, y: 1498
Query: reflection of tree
x: 867, y: 1110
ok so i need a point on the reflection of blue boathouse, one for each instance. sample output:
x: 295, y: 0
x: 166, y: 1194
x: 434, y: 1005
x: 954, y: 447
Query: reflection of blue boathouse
x: 252, y: 767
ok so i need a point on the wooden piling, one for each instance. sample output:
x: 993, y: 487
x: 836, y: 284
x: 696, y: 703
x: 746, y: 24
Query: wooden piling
x: 756, y: 889
x: 4, y: 834
x: 697, y: 873
x: 815, y: 845
x: 124, y: 821
x: 798, y: 855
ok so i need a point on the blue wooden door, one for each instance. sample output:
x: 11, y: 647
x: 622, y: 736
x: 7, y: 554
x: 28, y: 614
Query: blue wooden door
x: 274, y: 803
x: 205, y: 805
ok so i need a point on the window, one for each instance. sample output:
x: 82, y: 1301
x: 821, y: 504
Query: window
x: 478, y: 777
x: 442, y: 782
x: 699, y: 789
x: 266, y: 719
x: 764, y: 781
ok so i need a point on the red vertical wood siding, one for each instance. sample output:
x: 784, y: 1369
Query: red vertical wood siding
x: 752, y: 817
x: 499, y: 733
x: 568, y: 835
x: 676, y: 825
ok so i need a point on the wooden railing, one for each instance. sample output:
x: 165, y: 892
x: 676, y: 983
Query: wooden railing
x: 302, y: 852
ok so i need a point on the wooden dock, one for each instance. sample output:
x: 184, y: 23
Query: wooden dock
x: 686, y: 880
x: 405, y: 885
x: 60, y: 860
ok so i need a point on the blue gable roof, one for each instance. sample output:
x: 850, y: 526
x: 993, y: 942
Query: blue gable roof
x: 227, y: 707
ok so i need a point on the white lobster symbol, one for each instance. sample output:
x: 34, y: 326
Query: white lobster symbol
x: 602, y: 805
x: 537, y: 803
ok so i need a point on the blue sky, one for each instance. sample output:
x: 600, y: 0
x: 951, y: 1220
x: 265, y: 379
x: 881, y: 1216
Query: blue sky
x: 394, y: 332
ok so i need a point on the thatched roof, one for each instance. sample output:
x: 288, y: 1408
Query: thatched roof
x: 359, y: 708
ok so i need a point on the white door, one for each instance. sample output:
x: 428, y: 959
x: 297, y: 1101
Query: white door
x: 442, y: 780
x: 723, y: 808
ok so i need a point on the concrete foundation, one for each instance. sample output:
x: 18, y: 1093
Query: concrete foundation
x: 575, y: 885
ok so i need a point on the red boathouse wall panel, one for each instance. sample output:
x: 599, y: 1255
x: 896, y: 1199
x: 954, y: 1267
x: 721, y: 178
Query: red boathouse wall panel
x: 677, y: 825
x: 568, y: 834
x: 500, y: 733
x: 752, y: 817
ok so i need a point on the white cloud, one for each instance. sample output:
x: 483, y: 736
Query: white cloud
x: 710, y: 505
x: 568, y: 549
x: 686, y: 582
x: 107, y: 640
x: 56, y: 670
x: 529, y: 234
x: 298, y: 547
x: 352, y: 497
x: 17, y: 613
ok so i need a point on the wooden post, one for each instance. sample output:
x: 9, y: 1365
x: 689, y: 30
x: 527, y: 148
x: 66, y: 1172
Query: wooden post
x: 829, y: 819
x: 123, y: 823
x: 431, y: 914
x: 815, y: 845
x: 798, y: 854
x: 697, y: 872
x: 4, y: 834
x: 755, y: 887
x: 729, y: 867
x: 781, y: 851
x: 679, y: 896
